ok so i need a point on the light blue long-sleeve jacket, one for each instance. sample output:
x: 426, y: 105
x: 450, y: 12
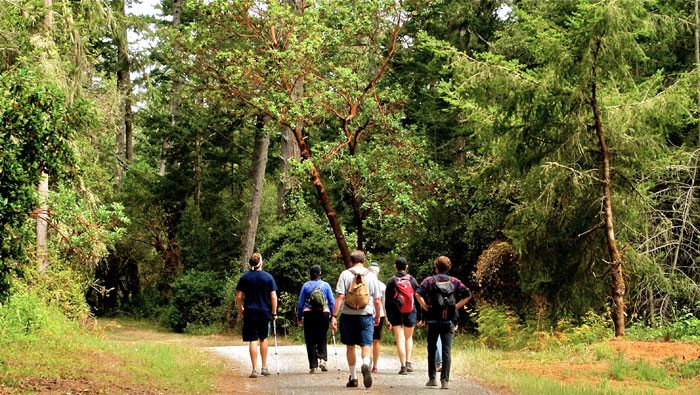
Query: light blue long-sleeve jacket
x: 305, y: 294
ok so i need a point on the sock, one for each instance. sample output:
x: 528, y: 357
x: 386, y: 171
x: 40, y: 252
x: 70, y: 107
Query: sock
x: 366, y: 361
x: 352, y: 373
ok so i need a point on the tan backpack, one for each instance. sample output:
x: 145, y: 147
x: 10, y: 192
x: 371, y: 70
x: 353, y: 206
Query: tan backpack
x: 357, y: 296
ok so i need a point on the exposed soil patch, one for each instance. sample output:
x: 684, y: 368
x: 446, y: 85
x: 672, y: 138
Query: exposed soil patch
x: 69, y: 385
x: 656, y: 352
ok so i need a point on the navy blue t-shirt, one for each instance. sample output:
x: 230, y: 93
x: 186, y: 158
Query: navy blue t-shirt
x: 257, y: 286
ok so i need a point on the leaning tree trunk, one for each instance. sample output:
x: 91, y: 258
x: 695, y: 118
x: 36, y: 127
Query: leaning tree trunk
x: 323, y: 196
x: 618, y: 281
x: 262, y: 142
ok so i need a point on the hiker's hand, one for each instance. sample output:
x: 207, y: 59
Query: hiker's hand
x: 388, y: 325
x: 377, y: 319
x: 299, y: 322
x: 421, y: 323
x: 334, y: 324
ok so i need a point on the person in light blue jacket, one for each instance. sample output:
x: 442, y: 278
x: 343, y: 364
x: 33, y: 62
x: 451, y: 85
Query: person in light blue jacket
x: 313, y: 312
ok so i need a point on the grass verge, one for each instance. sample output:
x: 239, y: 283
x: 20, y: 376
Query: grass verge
x: 73, y: 359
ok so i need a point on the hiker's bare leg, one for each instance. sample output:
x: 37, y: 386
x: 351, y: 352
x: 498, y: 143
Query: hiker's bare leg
x: 366, y: 352
x: 350, y: 354
x: 408, y: 334
x: 263, y: 352
x: 400, y: 343
x: 375, y: 353
x: 253, y: 349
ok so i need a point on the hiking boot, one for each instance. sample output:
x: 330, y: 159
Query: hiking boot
x: 366, y: 376
x: 403, y: 370
x: 431, y: 383
x: 409, y: 368
x: 253, y: 374
x: 312, y: 370
x: 264, y: 372
x: 444, y: 385
x: 351, y: 382
x: 322, y: 365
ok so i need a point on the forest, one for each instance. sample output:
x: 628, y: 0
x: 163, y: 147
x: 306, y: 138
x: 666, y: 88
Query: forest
x: 549, y: 148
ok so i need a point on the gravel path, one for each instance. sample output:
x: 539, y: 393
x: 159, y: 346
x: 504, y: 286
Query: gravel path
x: 294, y: 377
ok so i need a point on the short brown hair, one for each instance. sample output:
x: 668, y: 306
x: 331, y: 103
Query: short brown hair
x: 442, y: 264
x: 255, y: 259
x: 357, y: 256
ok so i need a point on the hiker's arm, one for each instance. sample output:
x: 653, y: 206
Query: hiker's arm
x: 462, y: 302
x: 273, y: 301
x: 338, y: 305
x: 239, y: 302
x: 377, y: 311
x: 421, y: 301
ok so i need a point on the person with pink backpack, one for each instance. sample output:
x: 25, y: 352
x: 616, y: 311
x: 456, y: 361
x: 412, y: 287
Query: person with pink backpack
x: 402, y: 312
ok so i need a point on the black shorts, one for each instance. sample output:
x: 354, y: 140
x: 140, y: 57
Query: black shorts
x: 255, y: 328
x: 378, y: 329
x: 404, y: 319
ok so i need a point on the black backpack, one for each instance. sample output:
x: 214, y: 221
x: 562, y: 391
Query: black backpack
x: 445, y: 295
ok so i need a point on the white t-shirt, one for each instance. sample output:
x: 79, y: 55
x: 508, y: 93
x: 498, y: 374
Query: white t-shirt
x: 373, y: 287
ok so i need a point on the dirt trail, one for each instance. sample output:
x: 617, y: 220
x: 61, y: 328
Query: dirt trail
x: 294, y: 377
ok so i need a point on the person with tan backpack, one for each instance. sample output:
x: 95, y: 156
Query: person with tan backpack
x: 358, y: 298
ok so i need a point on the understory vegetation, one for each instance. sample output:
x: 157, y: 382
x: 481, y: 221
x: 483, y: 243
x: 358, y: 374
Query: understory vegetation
x: 550, y: 149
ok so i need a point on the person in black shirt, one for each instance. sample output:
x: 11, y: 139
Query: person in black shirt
x: 440, y: 296
x: 256, y: 298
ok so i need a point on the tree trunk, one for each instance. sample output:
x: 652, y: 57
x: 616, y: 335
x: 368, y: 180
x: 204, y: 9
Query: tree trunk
x: 290, y: 151
x: 323, y: 196
x: 124, y: 79
x: 618, y: 281
x: 42, y: 224
x: 175, y: 99
x: 359, y: 217
x: 262, y: 142
x: 697, y: 56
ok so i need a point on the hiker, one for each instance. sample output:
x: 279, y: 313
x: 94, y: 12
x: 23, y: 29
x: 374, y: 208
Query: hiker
x: 256, y: 298
x: 377, y: 336
x: 402, y: 312
x: 440, y: 296
x: 358, y: 298
x: 313, y: 311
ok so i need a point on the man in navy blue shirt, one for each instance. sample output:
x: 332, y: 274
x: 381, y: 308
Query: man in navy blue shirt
x: 256, y: 298
x: 441, y: 314
x: 315, y: 315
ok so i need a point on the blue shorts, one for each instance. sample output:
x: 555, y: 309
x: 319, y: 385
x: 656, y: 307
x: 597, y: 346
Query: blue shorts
x: 356, y: 330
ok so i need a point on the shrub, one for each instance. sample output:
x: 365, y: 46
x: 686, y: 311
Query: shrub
x: 198, y: 299
x: 591, y: 327
x: 499, y: 327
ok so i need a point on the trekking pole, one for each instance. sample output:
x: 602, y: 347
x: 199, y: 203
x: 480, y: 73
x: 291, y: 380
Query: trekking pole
x: 274, y: 332
x: 335, y: 346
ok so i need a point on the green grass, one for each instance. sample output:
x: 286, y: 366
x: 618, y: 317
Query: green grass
x: 76, y: 353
